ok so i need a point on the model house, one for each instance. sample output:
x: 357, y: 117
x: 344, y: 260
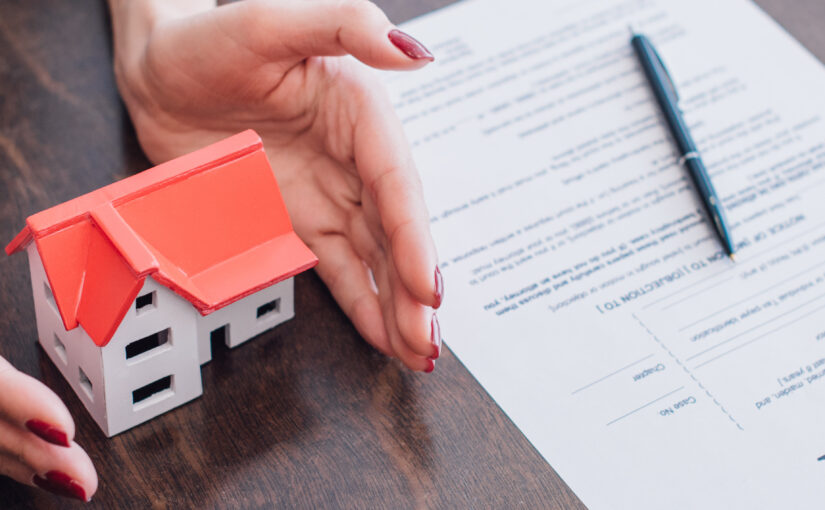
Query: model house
x: 133, y: 282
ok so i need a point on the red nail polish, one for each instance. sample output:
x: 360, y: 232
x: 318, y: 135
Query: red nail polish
x: 439, y: 287
x: 412, y: 48
x: 61, y: 484
x: 431, y: 366
x: 435, y: 337
x: 48, y: 432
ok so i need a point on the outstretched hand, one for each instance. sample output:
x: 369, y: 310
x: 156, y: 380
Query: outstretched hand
x: 192, y: 73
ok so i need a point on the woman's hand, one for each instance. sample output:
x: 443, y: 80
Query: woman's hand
x: 192, y: 73
x: 36, y: 433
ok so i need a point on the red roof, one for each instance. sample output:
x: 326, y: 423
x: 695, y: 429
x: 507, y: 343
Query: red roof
x: 211, y: 226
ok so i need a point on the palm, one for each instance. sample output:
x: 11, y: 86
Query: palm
x: 327, y: 128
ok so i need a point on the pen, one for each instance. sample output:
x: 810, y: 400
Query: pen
x: 668, y: 99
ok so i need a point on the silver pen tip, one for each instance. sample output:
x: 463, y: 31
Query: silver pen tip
x: 631, y: 30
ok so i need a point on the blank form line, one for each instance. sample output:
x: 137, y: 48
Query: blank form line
x: 726, y: 280
x: 761, y: 336
x: 649, y: 403
x: 734, y: 337
x: 786, y: 280
x: 703, y: 280
x: 780, y: 244
x: 611, y: 374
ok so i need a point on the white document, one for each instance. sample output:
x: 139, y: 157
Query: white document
x: 586, y: 290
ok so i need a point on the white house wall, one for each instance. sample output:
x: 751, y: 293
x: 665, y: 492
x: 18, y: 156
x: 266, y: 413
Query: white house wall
x: 109, y: 378
x: 80, y: 352
x: 178, y: 358
x: 241, y: 317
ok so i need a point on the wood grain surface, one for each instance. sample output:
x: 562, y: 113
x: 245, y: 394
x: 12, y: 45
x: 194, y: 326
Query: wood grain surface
x: 305, y: 416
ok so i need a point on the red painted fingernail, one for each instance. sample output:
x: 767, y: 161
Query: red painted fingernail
x: 48, y: 432
x: 435, y: 337
x: 61, y: 484
x: 431, y: 366
x: 412, y: 48
x: 439, y: 287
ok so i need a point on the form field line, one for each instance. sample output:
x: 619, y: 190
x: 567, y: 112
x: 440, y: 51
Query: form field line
x: 786, y: 280
x: 611, y: 374
x: 760, y: 336
x: 642, y: 407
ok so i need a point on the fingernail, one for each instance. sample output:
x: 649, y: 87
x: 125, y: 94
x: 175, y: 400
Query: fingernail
x: 48, y: 432
x: 431, y: 366
x: 435, y: 337
x: 412, y: 48
x: 439, y: 287
x: 61, y: 484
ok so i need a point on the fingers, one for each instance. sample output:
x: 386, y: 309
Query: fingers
x: 416, y: 323
x: 373, y: 313
x: 36, y: 434
x: 348, y: 280
x: 28, y: 459
x: 400, y: 347
x: 407, y: 321
x: 16, y: 470
x: 29, y: 404
x: 383, y: 160
x: 302, y: 29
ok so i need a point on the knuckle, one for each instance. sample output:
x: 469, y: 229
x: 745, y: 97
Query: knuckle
x: 22, y: 452
x: 332, y: 276
x: 365, y: 93
x: 14, y: 446
x: 357, y: 8
x: 396, y: 244
x: 359, y: 308
x: 384, y: 182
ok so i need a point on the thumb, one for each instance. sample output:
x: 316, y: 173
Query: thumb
x: 280, y: 29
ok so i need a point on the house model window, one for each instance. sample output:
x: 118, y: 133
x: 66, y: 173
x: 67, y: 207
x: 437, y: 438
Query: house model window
x: 85, y: 384
x: 157, y: 390
x: 60, y: 349
x: 49, y: 296
x: 145, y: 302
x: 269, y: 310
x: 148, y: 345
x: 134, y: 282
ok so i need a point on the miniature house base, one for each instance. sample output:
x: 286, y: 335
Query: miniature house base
x: 152, y: 363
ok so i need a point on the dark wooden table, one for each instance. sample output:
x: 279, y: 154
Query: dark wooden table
x: 306, y: 416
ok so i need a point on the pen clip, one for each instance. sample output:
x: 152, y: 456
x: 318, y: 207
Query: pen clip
x: 666, y: 73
